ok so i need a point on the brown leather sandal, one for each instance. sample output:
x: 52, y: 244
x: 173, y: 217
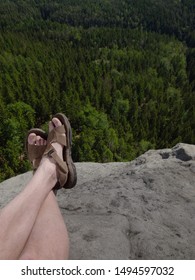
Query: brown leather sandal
x: 66, y: 170
x: 35, y: 152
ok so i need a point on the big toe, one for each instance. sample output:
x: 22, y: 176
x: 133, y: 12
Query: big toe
x: 56, y: 122
x: 32, y: 139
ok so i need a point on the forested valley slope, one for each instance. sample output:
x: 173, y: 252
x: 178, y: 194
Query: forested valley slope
x: 122, y: 71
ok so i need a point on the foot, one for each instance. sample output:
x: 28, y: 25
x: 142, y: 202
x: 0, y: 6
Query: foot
x: 48, y: 163
x: 36, y: 140
x: 58, y: 147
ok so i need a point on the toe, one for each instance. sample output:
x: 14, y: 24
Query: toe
x: 32, y: 139
x: 51, y: 126
x: 38, y: 140
x: 56, y: 122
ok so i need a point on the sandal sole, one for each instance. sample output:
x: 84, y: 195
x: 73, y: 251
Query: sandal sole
x: 72, y: 174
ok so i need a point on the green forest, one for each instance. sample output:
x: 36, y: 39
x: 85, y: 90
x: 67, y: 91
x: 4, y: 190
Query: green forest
x: 123, y: 71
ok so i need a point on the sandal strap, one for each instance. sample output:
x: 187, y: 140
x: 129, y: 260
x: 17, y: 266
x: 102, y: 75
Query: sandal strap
x: 57, y: 135
x: 62, y: 170
x: 35, y: 154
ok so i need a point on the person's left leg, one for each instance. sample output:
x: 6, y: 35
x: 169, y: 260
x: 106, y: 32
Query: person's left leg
x: 49, y: 238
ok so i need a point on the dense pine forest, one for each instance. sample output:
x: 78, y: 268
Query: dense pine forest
x: 122, y: 71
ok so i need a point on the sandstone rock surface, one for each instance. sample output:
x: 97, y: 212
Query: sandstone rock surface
x: 144, y: 209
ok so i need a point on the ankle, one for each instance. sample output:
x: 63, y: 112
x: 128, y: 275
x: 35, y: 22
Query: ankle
x: 48, y: 168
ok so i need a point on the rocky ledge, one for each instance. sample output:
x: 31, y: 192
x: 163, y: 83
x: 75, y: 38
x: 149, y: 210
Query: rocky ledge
x: 144, y: 209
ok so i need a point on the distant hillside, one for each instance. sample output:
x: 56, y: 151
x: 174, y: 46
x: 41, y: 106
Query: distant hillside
x: 162, y: 16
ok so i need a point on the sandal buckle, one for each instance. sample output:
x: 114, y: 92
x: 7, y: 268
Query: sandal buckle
x: 50, y: 152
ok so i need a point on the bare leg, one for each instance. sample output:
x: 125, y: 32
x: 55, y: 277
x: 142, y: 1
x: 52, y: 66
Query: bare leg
x: 49, y: 238
x: 18, y: 218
